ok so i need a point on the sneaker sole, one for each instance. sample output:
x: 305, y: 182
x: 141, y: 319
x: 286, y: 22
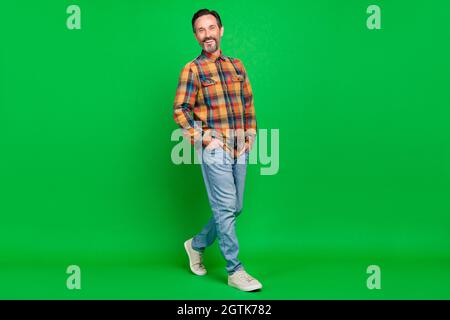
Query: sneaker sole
x: 190, y: 264
x: 251, y: 288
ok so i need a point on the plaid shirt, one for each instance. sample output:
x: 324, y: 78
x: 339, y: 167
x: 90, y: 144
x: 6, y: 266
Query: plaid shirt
x: 219, y: 95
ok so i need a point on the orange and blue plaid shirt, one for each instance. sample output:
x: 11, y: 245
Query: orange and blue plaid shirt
x: 214, y: 99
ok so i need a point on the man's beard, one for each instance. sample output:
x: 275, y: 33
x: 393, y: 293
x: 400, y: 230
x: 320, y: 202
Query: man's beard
x: 210, y: 48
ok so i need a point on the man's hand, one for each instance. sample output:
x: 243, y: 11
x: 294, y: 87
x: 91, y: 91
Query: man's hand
x: 215, y: 143
x: 247, y: 146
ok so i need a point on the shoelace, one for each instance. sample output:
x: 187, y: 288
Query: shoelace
x: 246, y: 276
x: 199, y: 262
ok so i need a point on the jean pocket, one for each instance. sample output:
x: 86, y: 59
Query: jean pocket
x: 211, y: 151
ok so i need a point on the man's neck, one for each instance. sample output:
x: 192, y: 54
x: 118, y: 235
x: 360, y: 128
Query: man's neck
x: 216, y: 53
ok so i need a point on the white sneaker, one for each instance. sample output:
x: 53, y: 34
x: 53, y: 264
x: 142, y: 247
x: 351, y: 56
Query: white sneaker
x: 243, y: 281
x: 195, y: 259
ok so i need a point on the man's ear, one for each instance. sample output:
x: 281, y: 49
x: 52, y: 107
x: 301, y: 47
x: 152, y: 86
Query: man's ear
x: 221, y: 31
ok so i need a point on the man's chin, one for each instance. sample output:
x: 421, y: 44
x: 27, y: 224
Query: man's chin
x: 210, y: 49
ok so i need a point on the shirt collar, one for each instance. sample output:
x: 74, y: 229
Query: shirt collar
x: 210, y: 56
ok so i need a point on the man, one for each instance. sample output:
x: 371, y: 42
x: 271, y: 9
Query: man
x: 216, y: 89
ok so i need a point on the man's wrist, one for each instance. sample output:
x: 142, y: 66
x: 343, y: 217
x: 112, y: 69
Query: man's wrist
x: 206, y: 141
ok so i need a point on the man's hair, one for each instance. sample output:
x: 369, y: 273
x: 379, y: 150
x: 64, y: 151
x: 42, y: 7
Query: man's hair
x: 204, y: 12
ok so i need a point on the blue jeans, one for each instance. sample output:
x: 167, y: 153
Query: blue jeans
x: 224, y: 179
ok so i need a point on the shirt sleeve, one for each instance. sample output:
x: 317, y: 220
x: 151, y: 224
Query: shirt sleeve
x: 249, y: 108
x: 185, y: 98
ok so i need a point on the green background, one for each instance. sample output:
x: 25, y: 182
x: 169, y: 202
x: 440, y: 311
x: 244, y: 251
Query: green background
x: 86, y: 176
